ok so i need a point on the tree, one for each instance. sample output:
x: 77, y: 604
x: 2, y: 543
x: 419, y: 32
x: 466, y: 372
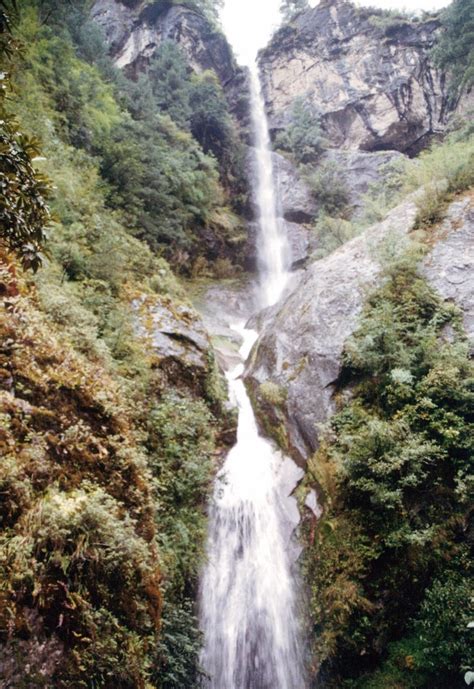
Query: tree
x: 210, y: 8
x: 455, y: 50
x: 303, y: 138
x: 170, y: 82
x: 290, y: 8
x: 24, y: 213
x: 211, y: 125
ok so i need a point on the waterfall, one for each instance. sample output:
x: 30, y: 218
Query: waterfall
x: 247, y: 596
x: 272, y: 244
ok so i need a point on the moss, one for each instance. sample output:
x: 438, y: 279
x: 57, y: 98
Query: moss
x: 272, y: 393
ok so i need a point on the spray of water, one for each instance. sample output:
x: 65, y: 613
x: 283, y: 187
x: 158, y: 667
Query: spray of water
x: 248, y: 590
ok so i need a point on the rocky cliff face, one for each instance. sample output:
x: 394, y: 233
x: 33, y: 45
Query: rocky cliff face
x: 298, y: 358
x: 134, y: 33
x: 370, y: 77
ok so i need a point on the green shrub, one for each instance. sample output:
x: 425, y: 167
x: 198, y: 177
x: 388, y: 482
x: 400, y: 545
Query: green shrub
x: 394, y: 470
x: 272, y: 393
x: 329, y: 189
x: 303, y: 137
x: 453, y: 51
x: 331, y: 233
x: 23, y: 190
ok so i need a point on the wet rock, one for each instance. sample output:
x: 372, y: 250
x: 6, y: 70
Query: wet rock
x: 301, y: 243
x: 372, y: 80
x: 449, y: 268
x: 221, y: 306
x: 294, y: 198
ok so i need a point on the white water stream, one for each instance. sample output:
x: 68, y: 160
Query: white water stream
x: 248, y: 601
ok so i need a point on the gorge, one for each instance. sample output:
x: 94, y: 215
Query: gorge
x: 248, y: 594
x: 236, y: 384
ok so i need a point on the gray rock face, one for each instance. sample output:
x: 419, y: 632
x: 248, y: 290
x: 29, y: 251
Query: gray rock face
x: 294, y: 198
x: 360, y: 170
x: 373, y: 83
x: 300, y: 348
x: 449, y: 268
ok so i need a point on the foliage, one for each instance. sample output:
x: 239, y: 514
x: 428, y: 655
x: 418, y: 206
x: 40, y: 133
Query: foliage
x: 388, y: 20
x: 23, y: 194
x: 438, y: 174
x: 77, y: 543
x: 179, y: 648
x: 23, y: 191
x: 106, y: 460
x: 303, y: 137
x: 181, y: 440
x: 442, y: 624
x: 157, y: 173
x: 332, y: 227
x: 328, y: 187
x: 169, y: 80
x: 331, y: 233
x: 455, y: 174
x: 454, y: 52
x: 167, y: 172
x: 395, y: 473
x: 272, y: 393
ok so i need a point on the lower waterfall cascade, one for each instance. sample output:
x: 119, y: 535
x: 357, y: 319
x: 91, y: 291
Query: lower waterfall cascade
x: 248, y: 594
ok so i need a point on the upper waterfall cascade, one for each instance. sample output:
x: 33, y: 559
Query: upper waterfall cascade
x: 248, y: 592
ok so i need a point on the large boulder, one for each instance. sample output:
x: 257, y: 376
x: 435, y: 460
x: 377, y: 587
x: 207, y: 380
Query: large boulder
x: 179, y: 343
x: 297, y: 361
x: 370, y: 77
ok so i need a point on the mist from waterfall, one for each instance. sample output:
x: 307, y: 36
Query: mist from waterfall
x: 248, y: 591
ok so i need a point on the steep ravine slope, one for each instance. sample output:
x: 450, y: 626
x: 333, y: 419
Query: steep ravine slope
x: 364, y: 372
x: 111, y: 405
x: 356, y: 89
x: 112, y: 418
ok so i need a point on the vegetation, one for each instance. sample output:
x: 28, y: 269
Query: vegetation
x: 454, y: 52
x: 23, y: 191
x: 107, y: 455
x: 388, y: 563
x: 303, y: 138
x: 438, y: 174
x: 169, y: 190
